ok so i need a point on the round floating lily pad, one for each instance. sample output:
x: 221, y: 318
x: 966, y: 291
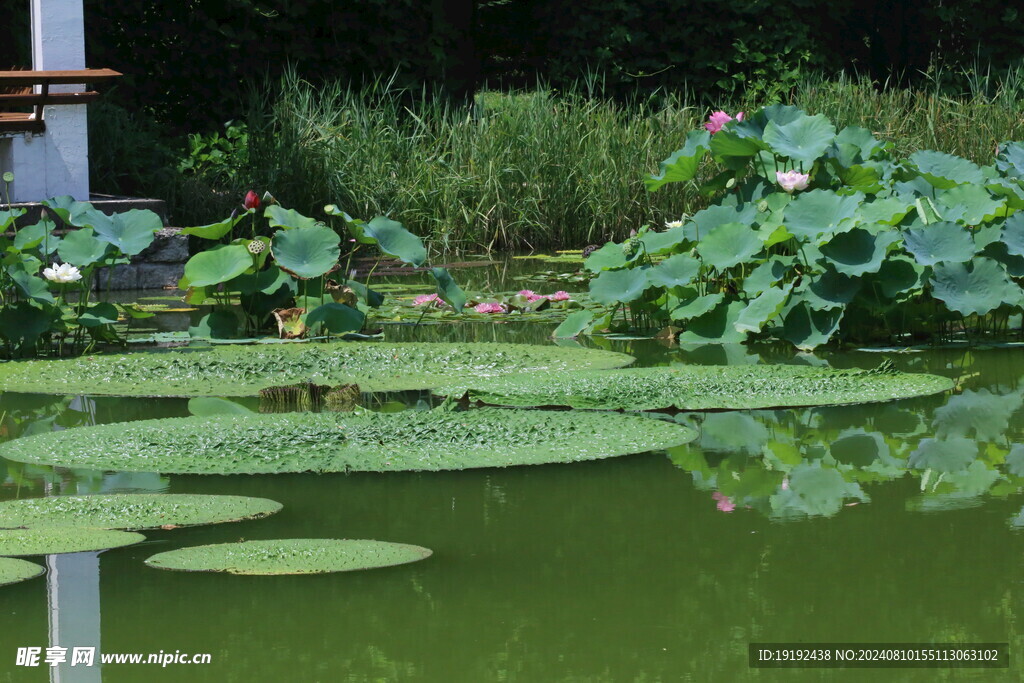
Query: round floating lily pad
x: 13, y: 571
x: 51, y: 541
x: 339, y: 442
x: 132, y: 510
x: 701, y: 387
x: 235, y: 370
x: 292, y: 556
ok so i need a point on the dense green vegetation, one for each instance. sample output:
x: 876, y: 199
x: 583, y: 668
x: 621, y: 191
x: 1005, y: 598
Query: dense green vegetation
x: 539, y: 168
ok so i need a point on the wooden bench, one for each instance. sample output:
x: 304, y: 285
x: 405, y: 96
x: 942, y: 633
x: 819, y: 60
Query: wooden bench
x: 18, y: 90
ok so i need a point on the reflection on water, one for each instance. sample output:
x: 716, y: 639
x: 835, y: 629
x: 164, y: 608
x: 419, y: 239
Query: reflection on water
x: 845, y: 524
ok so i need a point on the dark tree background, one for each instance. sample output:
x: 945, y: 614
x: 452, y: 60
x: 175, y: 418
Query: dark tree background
x: 190, y: 62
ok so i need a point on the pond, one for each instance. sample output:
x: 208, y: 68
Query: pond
x: 656, y: 566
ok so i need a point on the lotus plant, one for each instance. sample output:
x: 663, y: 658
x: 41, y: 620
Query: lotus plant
x: 62, y: 274
x: 718, y: 119
x: 792, y: 180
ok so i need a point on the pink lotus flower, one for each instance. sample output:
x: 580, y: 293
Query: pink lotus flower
x: 785, y: 483
x: 725, y: 503
x: 559, y: 296
x: 792, y: 180
x: 530, y: 295
x: 718, y: 119
x: 491, y: 307
x: 428, y: 299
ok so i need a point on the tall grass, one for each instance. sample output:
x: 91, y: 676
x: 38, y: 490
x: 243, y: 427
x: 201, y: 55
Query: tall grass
x: 541, y: 169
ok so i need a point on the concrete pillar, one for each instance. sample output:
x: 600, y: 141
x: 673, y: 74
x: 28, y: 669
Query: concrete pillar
x: 56, y: 162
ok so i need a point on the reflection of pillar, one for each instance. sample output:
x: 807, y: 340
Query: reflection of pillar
x: 56, y: 162
x: 73, y: 594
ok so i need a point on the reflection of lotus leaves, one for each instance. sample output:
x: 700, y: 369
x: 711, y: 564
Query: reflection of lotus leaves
x: 1015, y: 460
x: 732, y: 432
x: 943, y: 455
x: 13, y: 571
x: 981, y: 411
x: 814, y: 490
x: 858, y: 448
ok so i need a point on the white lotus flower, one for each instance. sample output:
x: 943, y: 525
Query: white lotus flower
x: 792, y: 180
x: 673, y: 224
x: 62, y: 274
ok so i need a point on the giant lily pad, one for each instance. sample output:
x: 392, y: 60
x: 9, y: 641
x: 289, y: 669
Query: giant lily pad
x: 133, y: 511
x: 51, y: 541
x: 14, y: 571
x: 244, y: 370
x: 702, y: 387
x: 291, y: 556
x: 340, y: 442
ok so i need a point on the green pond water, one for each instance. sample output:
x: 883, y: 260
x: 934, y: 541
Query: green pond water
x: 652, y: 567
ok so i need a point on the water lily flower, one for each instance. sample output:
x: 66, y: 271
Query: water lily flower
x: 491, y: 307
x: 530, y: 295
x: 62, y: 274
x: 725, y: 503
x: 560, y: 295
x: 792, y: 180
x: 431, y: 299
x: 251, y: 201
x: 719, y: 119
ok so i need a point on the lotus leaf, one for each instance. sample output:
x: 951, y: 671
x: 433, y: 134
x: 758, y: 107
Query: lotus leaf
x: 81, y: 248
x: 675, y: 271
x: 216, y: 265
x: 15, y: 571
x: 614, y: 286
x: 807, y: 328
x: 897, y: 275
x: 54, y: 541
x: 762, y: 309
x: 701, y: 387
x: 1013, y: 234
x: 342, y: 442
x: 244, y: 370
x: 857, y: 251
x: 803, y: 139
x: 977, y: 287
x: 132, y: 511
x: 290, y: 556
x: 682, y: 165
x: 307, y: 252
x: 828, y: 290
x: 974, y: 200
x: 729, y: 244
x: 717, y: 326
x: 937, y: 242
x: 820, y: 212
x: 945, y: 170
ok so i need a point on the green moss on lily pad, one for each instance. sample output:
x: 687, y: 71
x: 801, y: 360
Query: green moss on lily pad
x: 291, y: 556
x: 133, y: 510
x: 15, y: 571
x: 701, y: 387
x: 53, y: 541
x: 235, y: 370
x: 338, y: 442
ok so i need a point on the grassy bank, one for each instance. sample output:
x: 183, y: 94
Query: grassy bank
x: 537, y: 169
